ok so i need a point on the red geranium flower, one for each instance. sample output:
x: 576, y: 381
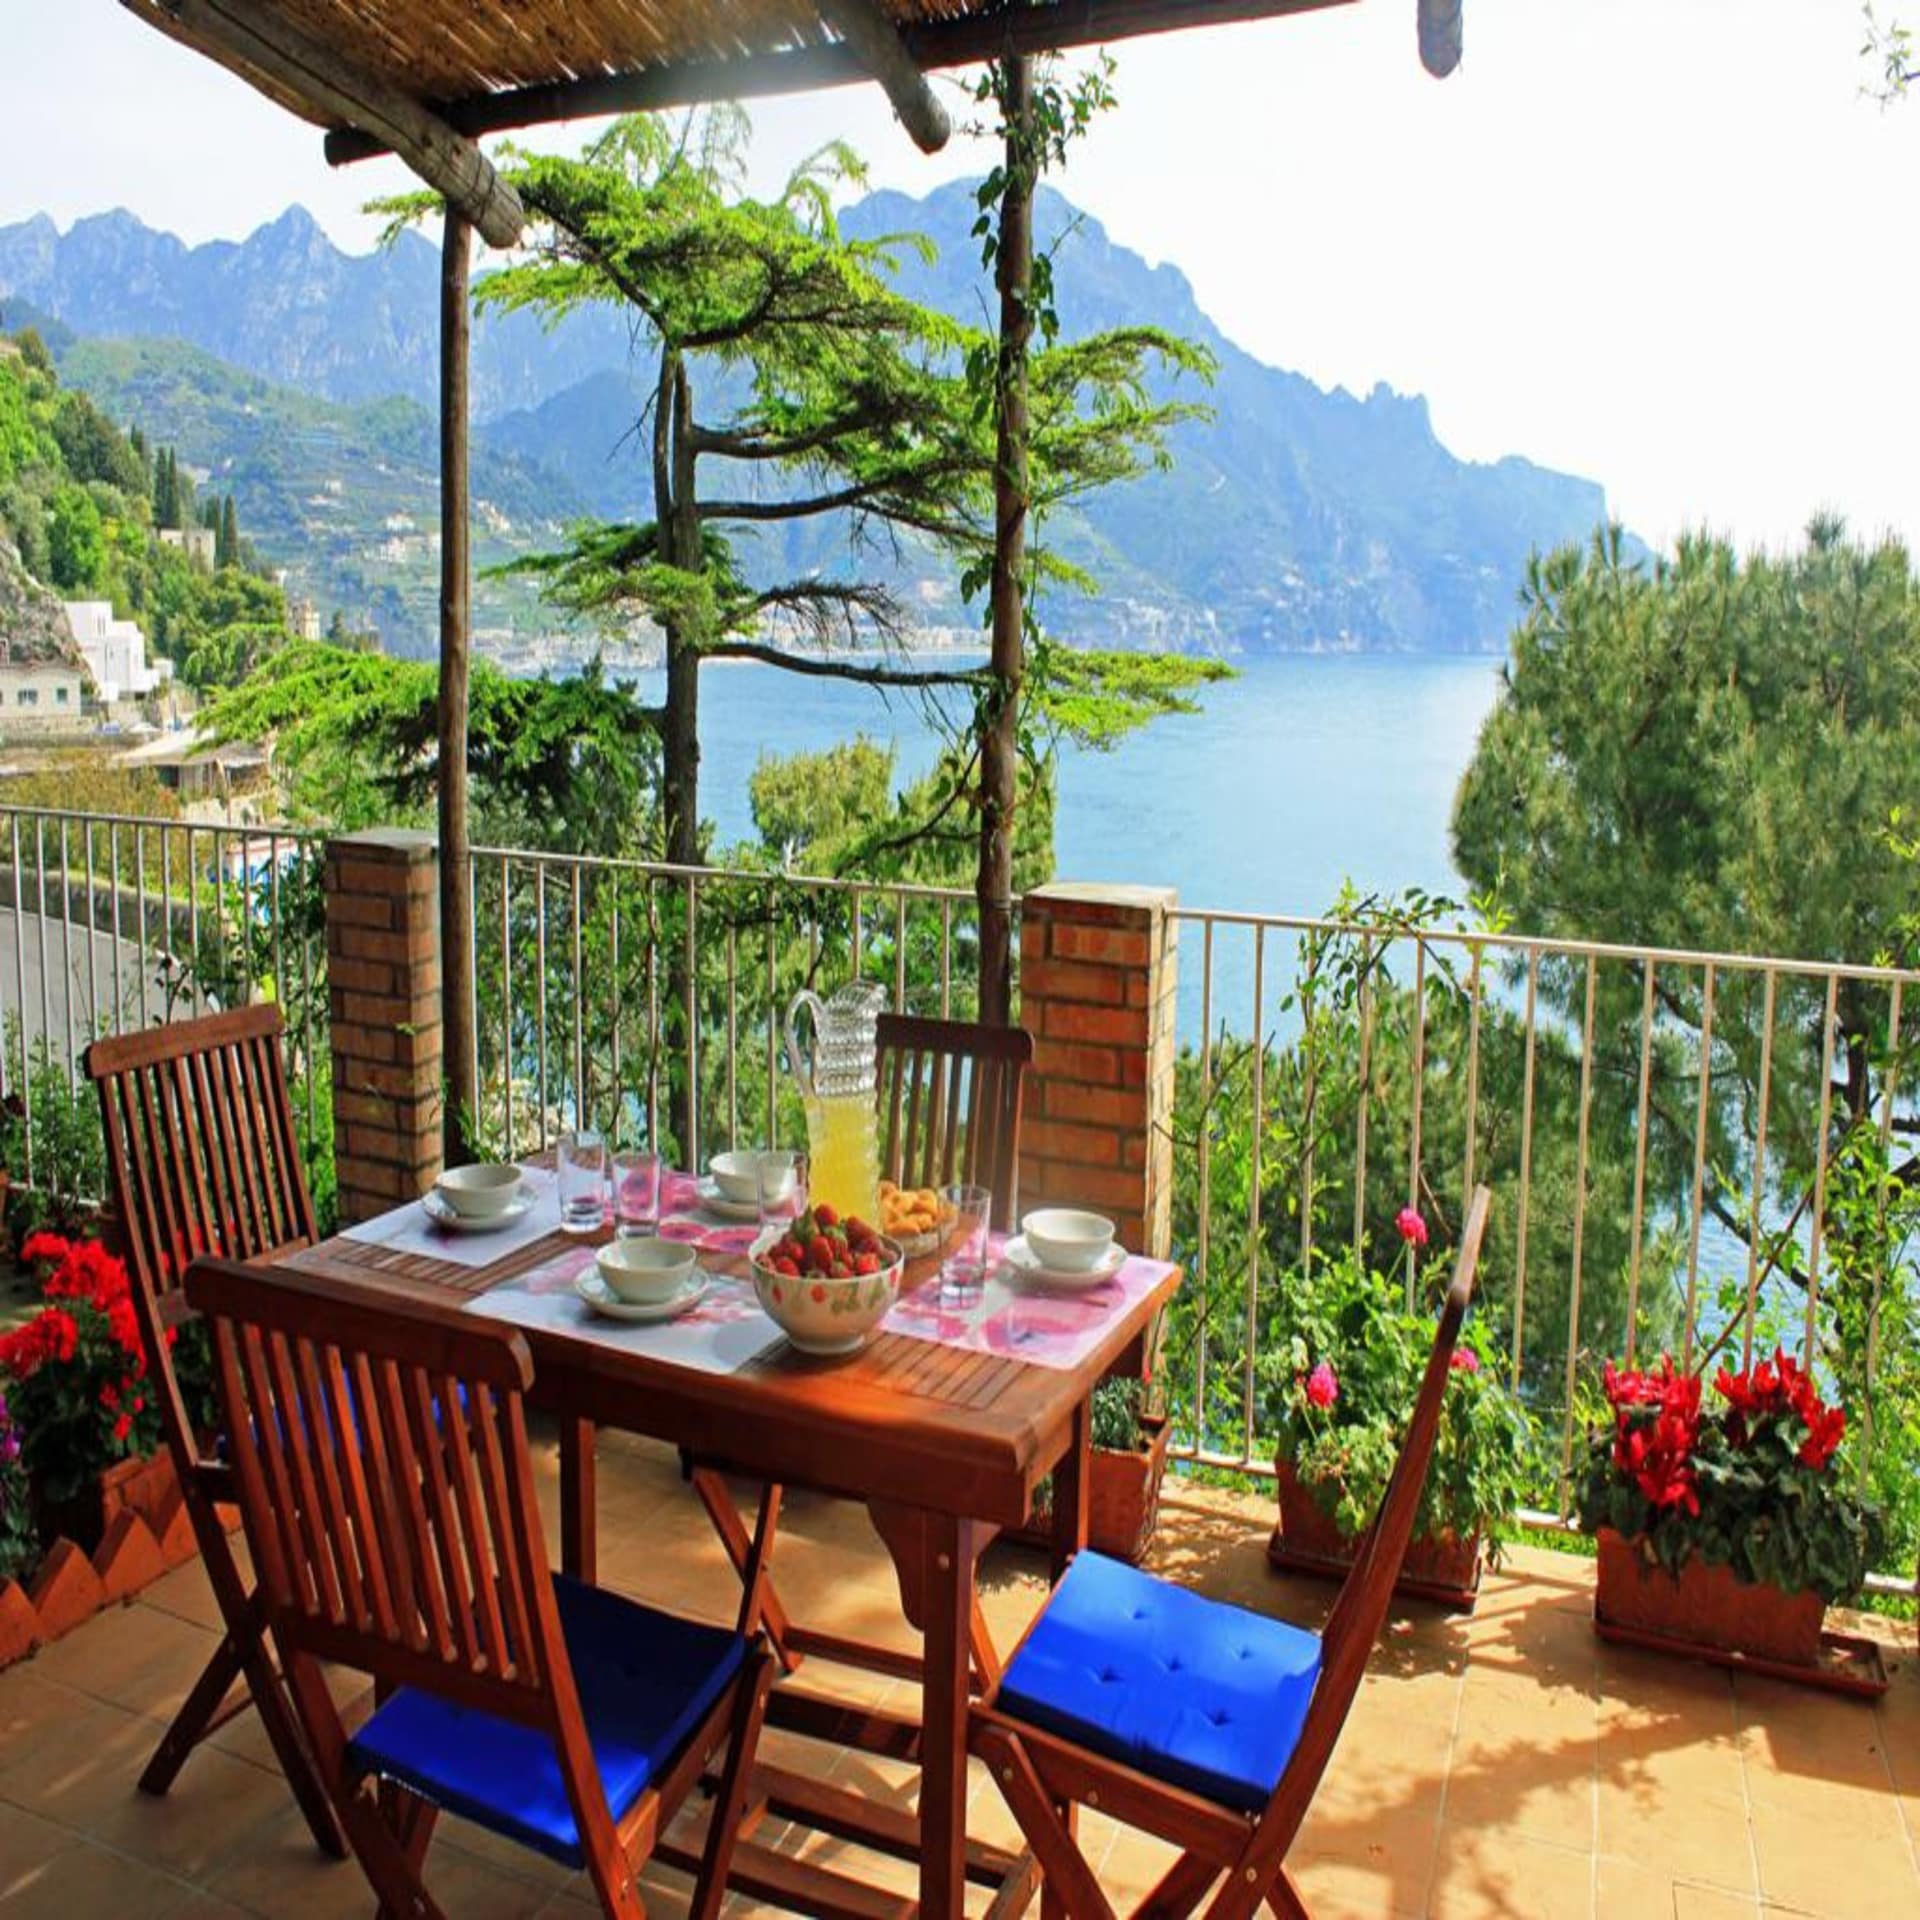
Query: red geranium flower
x: 1410, y: 1227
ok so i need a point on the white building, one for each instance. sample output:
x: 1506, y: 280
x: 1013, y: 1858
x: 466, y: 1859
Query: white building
x: 115, y: 652
x: 41, y: 696
x: 197, y: 543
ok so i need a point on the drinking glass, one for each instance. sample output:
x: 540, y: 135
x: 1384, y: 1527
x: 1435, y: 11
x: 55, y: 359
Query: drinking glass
x: 782, y: 1178
x: 636, y: 1193
x: 583, y: 1180
x: 963, y: 1267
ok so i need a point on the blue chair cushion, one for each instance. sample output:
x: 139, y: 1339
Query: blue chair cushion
x: 1193, y: 1692
x: 646, y: 1680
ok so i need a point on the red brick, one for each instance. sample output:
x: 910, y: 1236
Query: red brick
x: 407, y: 948
x: 1117, y: 946
x: 129, y: 1557
x: 66, y: 1590
x: 19, y: 1624
x: 1121, y: 1107
x: 355, y: 977
x: 372, y: 1143
x: 1104, y: 1026
x: 357, y: 910
x: 1061, y: 1060
x: 1107, y: 1187
x: 1085, y: 1146
x: 1075, y: 980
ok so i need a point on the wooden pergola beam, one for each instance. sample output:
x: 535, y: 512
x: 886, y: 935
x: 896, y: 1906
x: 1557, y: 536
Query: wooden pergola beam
x: 1050, y: 27
x: 876, y: 41
x: 260, y: 47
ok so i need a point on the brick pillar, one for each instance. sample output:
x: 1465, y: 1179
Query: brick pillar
x: 1097, y: 980
x: 383, y: 978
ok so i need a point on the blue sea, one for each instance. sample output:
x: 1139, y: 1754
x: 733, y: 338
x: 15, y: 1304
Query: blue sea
x: 1303, y: 772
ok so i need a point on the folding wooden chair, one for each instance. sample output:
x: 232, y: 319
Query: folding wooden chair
x: 950, y: 1101
x: 387, y: 1490
x: 203, y: 1158
x: 1200, y: 1722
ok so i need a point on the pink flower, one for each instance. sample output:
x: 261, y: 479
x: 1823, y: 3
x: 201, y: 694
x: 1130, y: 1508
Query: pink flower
x: 1323, y: 1385
x: 1464, y: 1360
x: 1410, y: 1227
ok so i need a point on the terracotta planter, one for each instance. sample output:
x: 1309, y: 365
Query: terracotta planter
x: 1123, y: 1497
x: 147, y: 1486
x: 1441, y: 1567
x: 1705, y: 1606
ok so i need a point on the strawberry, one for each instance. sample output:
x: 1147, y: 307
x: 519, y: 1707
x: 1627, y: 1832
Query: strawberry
x: 865, y: 1263
x: 841, y: 1271
x: 825, y: 1216
x: 820, y: 1253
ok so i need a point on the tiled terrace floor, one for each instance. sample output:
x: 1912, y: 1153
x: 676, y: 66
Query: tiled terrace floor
x: 1508, y: 1765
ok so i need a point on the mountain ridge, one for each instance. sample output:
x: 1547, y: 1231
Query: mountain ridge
x: 1296, y: 517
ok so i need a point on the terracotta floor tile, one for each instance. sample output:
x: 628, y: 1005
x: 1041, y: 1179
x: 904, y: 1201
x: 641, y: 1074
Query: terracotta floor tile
x: 1492, y: 1873
x: 1625, y: 1890
x: 85, y: 1880
x: 1339, y: 1888
x: 1805, y: 1863
x: 1711, y: 1903
x: 1689, y: 1836
x: 145, y: 1666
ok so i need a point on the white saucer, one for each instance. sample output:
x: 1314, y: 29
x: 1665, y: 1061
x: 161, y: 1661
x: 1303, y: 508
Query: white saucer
x: 443, y: 1215
x: 712, y: 1200
x: 603, y: 1300
x: 1027, y: 1270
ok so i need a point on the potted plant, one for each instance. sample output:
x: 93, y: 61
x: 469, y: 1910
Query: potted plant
x: 75, y: 1378
x: 19, y: 1544
x: 1341, y: 1381
x: 1128, y: 1463
x: 1724, y: 1527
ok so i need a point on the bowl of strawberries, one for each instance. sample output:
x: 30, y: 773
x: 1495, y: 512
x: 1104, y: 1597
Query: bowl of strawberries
x: 825, y: 1281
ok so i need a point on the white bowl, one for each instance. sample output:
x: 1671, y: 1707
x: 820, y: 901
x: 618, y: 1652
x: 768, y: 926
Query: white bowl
x: 646, y: 1272
x: 737, y: 1175
x: 479, y: 1192
x: 829, y: 1316
x: 1066, y: 1239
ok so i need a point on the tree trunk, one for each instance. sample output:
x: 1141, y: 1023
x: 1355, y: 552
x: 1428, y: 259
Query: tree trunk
x: 1000, y: 733
x: 456, y: 877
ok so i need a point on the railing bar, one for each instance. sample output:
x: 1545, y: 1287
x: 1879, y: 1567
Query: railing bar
x: 733, y: 1034
x: 113, y: 881
x: 1253, y: 1190
x: 1204, y: 1151
x: 1816, y: 1231
x: 946, y: 959
x: 1364, y: 1099
x: 20, y: 1000
x: 1635, y: 1231
x: 1756, y: 1227
x: 613, y: 993
x: 1419, y: 1096
x: 140, y: 908
x: 582, y: 1111
x: 1703, y: 1111
x: 306, y: 1027
x: 67, y: 981
x: 856, y: 943
x: 773, y: 1133
x: 540, y: 986
x: 40, y: 923
x: 276, y: 942
x: 93, y: 938
x: 653, y: 1020
x: 1579, y: 1230
x: 1474, y: 989
x: 900, y: 953
x: 189, y: 975
x: 506, y: 997
x: 1309, y: 1108
x: 1524, y: 1204
x: 692, y: 1012
x: 473, y: 1125
x: 1865, y: 1459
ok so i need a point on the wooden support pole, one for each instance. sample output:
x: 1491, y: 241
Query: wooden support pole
x: 1000, y: 733
x: 876, y: 41
x: 289, y: 66
x: 456, y: 641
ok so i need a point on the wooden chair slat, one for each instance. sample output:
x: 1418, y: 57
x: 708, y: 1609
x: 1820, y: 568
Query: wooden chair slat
x: 381, y: 1618
x: 335, y: 1527
x: 390, y: 1519
x: 951, y: 1094
x: 525, y: 1649
x: 298, y: 1444
x: 419, y: 1538
x: 475, y: 1527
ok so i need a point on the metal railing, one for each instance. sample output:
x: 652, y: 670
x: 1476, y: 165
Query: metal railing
x: 1664, y: 1131
x: 649, y: 998
x: 115, y: 921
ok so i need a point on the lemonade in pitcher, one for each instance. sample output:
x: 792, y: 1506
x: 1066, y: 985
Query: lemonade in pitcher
x: 837, y: 1084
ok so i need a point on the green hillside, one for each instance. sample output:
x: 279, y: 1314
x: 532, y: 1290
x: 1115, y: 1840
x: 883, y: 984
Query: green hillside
x: 344, y: 497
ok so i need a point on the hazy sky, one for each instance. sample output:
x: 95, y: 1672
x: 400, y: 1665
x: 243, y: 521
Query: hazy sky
x: 1665, y: 243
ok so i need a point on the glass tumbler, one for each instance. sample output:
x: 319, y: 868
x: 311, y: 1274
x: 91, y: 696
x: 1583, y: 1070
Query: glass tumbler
x: 963, y: 1266
x: 583, y: 1180
x: 636, y: 1193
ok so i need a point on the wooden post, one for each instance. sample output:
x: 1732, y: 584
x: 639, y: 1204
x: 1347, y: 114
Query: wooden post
x: 1000, y: 737
x: 456, y: 639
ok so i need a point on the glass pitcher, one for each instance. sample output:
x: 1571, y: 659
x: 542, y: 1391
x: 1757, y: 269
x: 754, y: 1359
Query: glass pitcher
x: 837, y: 1090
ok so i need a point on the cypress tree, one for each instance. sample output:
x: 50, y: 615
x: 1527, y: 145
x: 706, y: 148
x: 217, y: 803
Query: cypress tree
x: 226, y: 548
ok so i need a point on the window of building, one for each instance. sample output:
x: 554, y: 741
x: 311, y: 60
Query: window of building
x: 29, y: 696
x: 60, y: 696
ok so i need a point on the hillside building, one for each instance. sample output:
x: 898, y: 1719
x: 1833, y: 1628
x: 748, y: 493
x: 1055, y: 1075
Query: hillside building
x: 40, y: 697
x: 196, y: 542
x: 115, y: 652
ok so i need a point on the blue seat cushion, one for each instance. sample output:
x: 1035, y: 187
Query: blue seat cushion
x: 646, y: 1680
x: 1193, y: 1692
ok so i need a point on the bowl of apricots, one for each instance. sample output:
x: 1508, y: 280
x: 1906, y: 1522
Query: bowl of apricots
x: 915, y: 1219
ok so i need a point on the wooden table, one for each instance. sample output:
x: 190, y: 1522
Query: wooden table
x: 944, y: 1447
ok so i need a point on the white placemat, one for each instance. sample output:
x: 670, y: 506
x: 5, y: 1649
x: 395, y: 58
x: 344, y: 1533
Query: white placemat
x: 408, y: 1229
